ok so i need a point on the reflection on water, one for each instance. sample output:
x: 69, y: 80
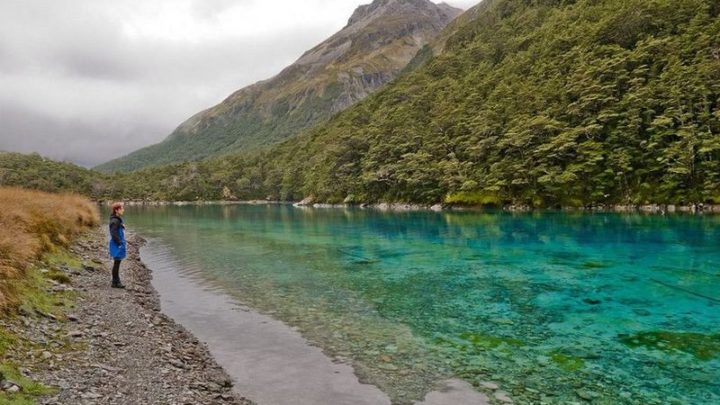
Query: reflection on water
x: 556, y: 307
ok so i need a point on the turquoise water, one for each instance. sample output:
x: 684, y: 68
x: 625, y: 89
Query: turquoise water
x: 554, y: 307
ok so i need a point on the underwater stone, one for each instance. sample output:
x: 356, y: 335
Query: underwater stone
x: 586, y: 394
x: 542, y: 360
x: 502, y: 321
x: 550, y: 316
x: 503, y: 396
x: 388, y: 367
x: 595, y: 265
x: 489, y: 385
x: 701, y: 346
x: 567, y: 362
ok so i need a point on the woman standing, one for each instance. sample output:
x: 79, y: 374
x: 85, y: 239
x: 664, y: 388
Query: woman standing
x: 118, y: 248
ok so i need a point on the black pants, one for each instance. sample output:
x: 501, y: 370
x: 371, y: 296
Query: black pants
x: 116, y: 272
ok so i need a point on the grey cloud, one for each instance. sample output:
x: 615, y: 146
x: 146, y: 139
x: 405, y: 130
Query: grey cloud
x: 146, y: 88
x: 84, y: 143
x: 210, y: 9
x: 76, y: 88
x: 96, y: 62
x: 170, y: 82
x: 463, y: 4
x: 33, y: 37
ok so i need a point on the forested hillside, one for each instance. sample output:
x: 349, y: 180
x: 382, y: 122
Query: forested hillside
x: 540, y: 102
x: 39, y: 173
x: 531, y: 102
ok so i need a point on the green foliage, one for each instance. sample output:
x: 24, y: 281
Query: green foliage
x: 34, y: 297
x: 30, y: 388
x: 33, y: 292
x: 58, y: 276
x: 545, y: 103
x: 472, y: 198
x: 36, y: 172
x: 61, y: 257
x: 7, y: 340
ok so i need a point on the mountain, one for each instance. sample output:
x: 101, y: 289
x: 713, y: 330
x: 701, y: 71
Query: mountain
x: 378, y: 41
x: 542, y: 103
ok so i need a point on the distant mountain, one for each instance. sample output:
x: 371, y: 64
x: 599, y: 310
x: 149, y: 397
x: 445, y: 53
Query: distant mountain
x: 539, y: 103
x: 378, y: 41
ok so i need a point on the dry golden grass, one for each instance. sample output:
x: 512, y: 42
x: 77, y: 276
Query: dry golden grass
x: 33, y: 223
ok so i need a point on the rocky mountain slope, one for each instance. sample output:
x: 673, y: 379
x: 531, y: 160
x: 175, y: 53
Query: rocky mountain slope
x: 544, y: 103
x: 378, y: 41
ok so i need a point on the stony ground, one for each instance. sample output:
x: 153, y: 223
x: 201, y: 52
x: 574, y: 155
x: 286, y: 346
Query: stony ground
x: 115, y: 346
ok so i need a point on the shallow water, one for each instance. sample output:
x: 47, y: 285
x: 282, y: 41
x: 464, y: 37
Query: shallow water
x: 555, y: 307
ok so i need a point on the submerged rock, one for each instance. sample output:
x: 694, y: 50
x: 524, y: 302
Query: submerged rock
x: 503, y: 397
x: 702, y: 346
x: 586, y: 394
x: 489, y: 385
x: 567, y: 362
x: 388, y: 367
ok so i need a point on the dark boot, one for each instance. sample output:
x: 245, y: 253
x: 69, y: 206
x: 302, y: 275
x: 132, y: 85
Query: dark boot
x: 116, y: 275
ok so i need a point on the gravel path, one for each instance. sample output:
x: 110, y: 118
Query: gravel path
x: 115, y: 346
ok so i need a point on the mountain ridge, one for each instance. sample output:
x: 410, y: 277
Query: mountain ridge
x: 370, y: 51
x: 541, y: 104
x: 550, y: 103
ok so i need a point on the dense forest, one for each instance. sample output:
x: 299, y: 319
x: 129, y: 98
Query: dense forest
x: 39, y: 173
x: 544, y: 103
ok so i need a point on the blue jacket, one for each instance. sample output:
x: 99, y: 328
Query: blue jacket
x: 117, y: 245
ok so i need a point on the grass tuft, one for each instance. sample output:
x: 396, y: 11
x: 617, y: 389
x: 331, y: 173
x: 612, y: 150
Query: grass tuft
x: 30, y: 388
x: 35, y: 223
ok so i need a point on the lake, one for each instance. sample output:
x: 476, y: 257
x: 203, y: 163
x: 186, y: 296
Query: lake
x: 555, y: 307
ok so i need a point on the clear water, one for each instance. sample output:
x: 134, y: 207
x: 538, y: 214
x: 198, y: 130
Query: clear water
x: 555, y: 307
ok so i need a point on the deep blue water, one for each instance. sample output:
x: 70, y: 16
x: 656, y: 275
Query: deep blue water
x: 555, y: 307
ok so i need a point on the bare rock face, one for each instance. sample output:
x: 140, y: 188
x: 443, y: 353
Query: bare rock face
x: 378, y: 41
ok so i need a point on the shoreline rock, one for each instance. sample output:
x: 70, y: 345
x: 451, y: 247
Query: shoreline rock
x: 309, y: 202
x: 115, y: 346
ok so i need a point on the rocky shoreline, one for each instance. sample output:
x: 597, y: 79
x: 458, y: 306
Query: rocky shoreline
x: 112, y: 346
x: 659, y: 209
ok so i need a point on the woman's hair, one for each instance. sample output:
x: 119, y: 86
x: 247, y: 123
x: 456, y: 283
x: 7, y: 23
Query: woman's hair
x: 116, y: 207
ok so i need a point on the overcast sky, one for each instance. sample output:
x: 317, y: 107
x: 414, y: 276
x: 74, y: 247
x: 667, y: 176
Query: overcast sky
x: 91, y: 80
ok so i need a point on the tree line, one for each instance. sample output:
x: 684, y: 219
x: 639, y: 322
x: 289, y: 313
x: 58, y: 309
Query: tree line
x: 543, y: 103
